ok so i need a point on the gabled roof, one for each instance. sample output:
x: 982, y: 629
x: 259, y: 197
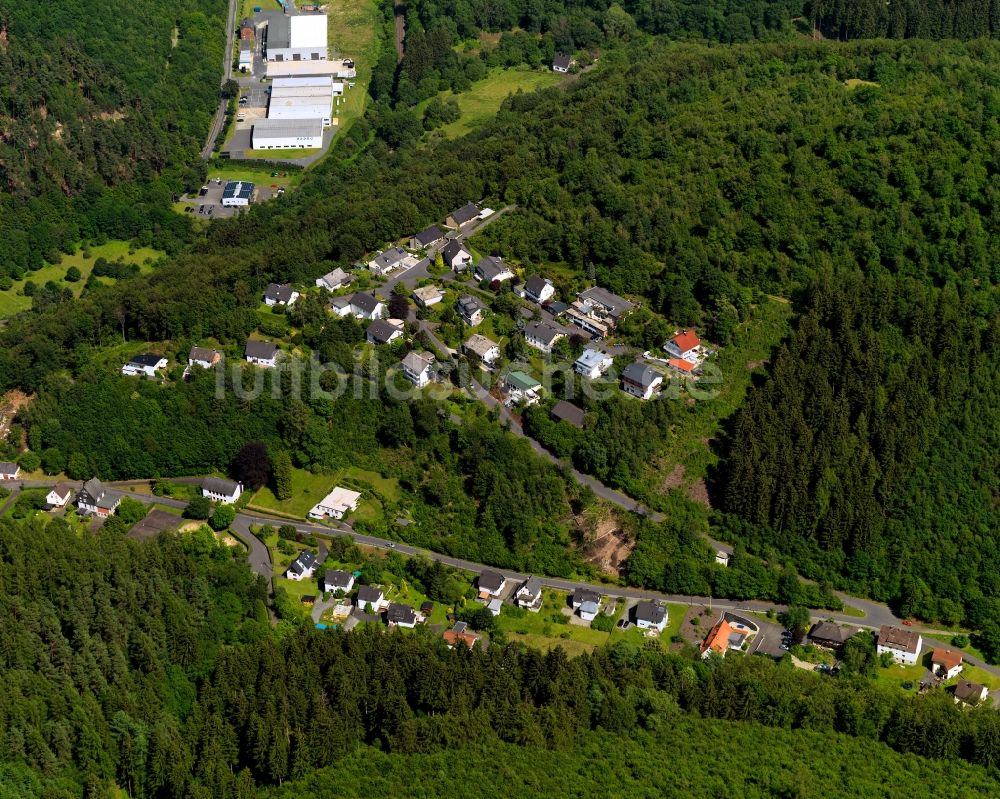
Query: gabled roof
x: 898, y: 638
x: 544, y: 332
x: 561, y: 60
x: 417, y: 362
x: 640, y: 374
x: 969, y: 691
x: 614, y: 304
x: 305, y: 561
x: 218, y: 485
x: 650, y: 612
x: 829, y: 631
x: 521, y: 381
x: 338, y: 578
x: 6, y: 467
x: 369, y: 594
x: 390, y: 258
x: 401, y: 614
x: 681, y: 365
x: 491, y: 267
x: 531, y: 587
x: 365, y: 302
x: 279, y: 292
x: 145, y: 359
x: 686, y: 340
x: 203, y: 354
x: 535, y: 285
x: 261, y: 349
x: 382, y: 331
x: 946, y: 658
x: 93, y: 490
x: 590, y: 606
x: 718, y: 637
x: 568, y: 412
x: 61, y: 489
x: 583, y: 594
x: 452, y: 250
x: 480, y: 345
x: 491, y: 581
x: 466, y: 213
x: 429, y: 236
x: 335, y: 278
x: 467, y: 304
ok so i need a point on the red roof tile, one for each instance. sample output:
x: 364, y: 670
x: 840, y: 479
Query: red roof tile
x: 686, y: 340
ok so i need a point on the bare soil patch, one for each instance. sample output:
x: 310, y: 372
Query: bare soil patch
x: 605, y: 544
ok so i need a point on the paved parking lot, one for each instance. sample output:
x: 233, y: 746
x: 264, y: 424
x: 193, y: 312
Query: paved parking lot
x: 210, y: 205
x: 256, y: 94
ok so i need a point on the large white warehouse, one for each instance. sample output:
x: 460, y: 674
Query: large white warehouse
x: 287, y: 134
x: 300, y: 98
x: 301, y: 37
x: 342, y: 69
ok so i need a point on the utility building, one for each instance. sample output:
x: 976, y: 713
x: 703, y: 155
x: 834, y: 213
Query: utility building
x: 301, y: 37
x: 287, y: 134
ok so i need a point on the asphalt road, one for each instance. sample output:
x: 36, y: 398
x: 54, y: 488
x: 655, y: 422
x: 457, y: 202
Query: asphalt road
x: 227, y: 72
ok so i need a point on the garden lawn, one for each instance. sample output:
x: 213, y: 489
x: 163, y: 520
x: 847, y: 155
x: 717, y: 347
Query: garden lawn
x: 675, y: 616
x: 13, y: 300
x: 307, y: 490
x: 544, y: 631
x: 260, y: 175
x: 483, y: 100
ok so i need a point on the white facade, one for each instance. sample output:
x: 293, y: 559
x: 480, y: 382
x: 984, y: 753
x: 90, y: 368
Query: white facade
x: 417, y: 368
x: 287, y: 134
x: 337, y: 68
x: 9, y: 471
x: 302, y: 37
x: 225, y: 491
x: 592, y: 364
x: 58, y: 497
x: 133, y: 368
x: 335, y: 505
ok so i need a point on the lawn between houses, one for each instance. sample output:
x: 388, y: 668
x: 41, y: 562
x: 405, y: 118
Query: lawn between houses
x: 309, y: 488
x: 14, y: 300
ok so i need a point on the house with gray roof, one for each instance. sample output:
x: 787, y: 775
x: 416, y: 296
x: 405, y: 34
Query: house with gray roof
x: 542, y: 336
x: 417, y: 368
x: 370, y: 596
x: 456, y: 257
x: 280, y: 294
x: 334, y: 280
x: 9, y: 470
x: 262, y: 353
x: 428, y: 237
x: 221, y: 490
x: 463, y: 216
x: 96, y: 500
x: 401, y: 616
x: 650, y: 615
x: 640, y: 380
x: 382, y: 331
x: 568, y: 412
x: 529, y: 595
x: 493, y: 270
x: 338, y: 581
x: 302, y: 567
x: 471, y: 309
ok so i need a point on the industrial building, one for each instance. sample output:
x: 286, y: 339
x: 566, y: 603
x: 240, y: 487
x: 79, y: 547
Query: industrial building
x: 302, y: 98
x: 246, y: 55
x: 302, y: 37
x: 287, y: 134
x: 342, y: 69
x: 237, y: 194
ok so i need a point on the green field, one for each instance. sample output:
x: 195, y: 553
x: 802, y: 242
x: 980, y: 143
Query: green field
x: 261, y: 175
x: 13, y: 301
x: 309, y: 488
x: 483, y: 100
x: 355, y: 27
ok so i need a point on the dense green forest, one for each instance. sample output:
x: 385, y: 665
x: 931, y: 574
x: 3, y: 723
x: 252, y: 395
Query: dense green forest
x: 153, y: 667
x: 906, y: 19
x: 101, y: 116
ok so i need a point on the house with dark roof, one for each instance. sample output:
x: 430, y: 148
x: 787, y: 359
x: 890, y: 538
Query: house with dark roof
x: 280, y: 294
x: 428, y: 237
x: 302, y: 567
x: 58, y: 497
x: 529, y: 595
x: 262, y: 353
x: 650, y: 615
x: 220, y: 490
x: 393, y: 258
x: 493, y: 270
x: 370, y: 596
x: 583, y: 594
x: 9, y: 470
x: 970, y: 693
x: 829, y: 634
x: 561, y: 62
x: 362, y: 305
x: 338, y: 581
x: 564, y: 411
x: 382, y: 331
x: 463, y: 216
x: 456, y: 257
x: 145, y: 364
x: 334, y: 280
x: 491, y: 584
x: 401, y: 616
x: 640, y: 380
x: 542, y: 336
x: 471, y: 309
x: 903, y: 645
x: 204, y: 357
x: 539, y: 289
x: 96, y: 500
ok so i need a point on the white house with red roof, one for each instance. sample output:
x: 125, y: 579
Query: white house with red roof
x: 685, y: 345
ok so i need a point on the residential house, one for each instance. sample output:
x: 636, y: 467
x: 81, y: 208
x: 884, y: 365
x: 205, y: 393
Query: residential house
x: 426, y: 296
x: 262, y: 353
x: 568, y: 412
x: 146, y: 364
x: 417, y: 368
x: 598, y: 311
x: 483, y: 348
x: 582, y: 594
x: 650, y: 615
x: 338, y: 581
x: 334, y: 280
x: 683, y: 367
x: 430, y: 237
x: 903, y: 645
x: 9, y: 471
x: 362, y: 305
x: 335, y: 505
x: 684, y: 345
x: 280, y: 294
x: 522, y: 387
x: 460, y: 633
x: 385, y: 262
x: 455, y: 256
x: 204, y: 357
x: 96, y: 500
x: 219, y: 490
x: 302, y: 567
x: 946, y: 663
x: 561, y: 62
x: 491, y: 584
x: 463, y: 216
x: 718, y: 639
x: 592, y: 363
x: 529, y: 595
x: 970, y: 693
x: 830, y: 635
x: 539, y: 289
x: 384, y: 332
x: 493, y: 270
x: 640, y: 380
x: 370, y: 596
x: 471, y: 309
x: 542, y: 336
x: 59, y: 496
x: 401, y: 616
x: 588, y: 610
